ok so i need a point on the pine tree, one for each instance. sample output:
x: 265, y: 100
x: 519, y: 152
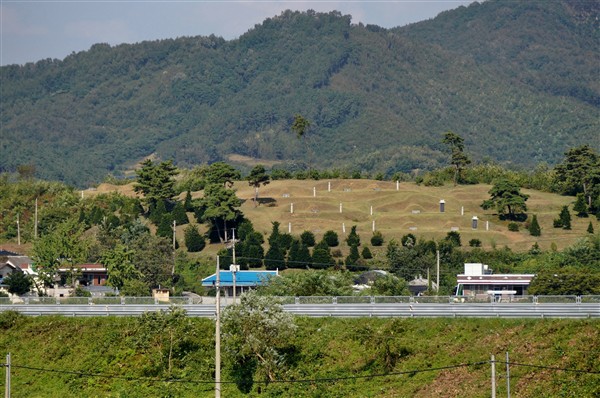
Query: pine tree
x: 534, y: 227
x: 308, y: 238
x: 590, y: 228
x: 565, y: 218
x: 275, y: 258
x: 331, y: 239
x: 377, y: 238
x: 165, y: 227
x: 193, y: 240
x: 157, y: 212
x: 304, y: 257
x: 366, y: 253
x: 187, y: 204
x: 353, y: 239
x: 321, y: 258
x: 178, y: 214
x: 353, y: 256
x: 580, y: 206
x: 274, y: 238
x: 252, y: 252
x: 293, y: 254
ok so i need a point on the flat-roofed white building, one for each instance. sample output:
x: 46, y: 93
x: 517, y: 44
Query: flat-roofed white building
x: 478, y: 280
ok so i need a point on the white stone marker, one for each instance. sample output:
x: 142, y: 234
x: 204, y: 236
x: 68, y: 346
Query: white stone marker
x: 292, y: 208
x: 314, y: 192
x: 340, y: 207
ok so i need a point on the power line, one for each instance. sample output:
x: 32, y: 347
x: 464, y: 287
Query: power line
x: 314, y: 380
x: 114, y: 376
x: 291, y: 381
x: 551, y: 368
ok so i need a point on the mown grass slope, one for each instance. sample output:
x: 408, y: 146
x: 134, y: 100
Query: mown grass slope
x: 396, y: 210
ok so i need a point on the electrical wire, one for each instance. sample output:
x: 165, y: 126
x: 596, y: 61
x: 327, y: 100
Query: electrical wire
x: 548, y: 367
x: 313, y: 380
x: 291, y: 381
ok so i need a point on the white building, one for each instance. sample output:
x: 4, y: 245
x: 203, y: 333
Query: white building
x: 478, y: 280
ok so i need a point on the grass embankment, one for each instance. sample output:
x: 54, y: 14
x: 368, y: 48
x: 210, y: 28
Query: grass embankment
x: 325, y: 348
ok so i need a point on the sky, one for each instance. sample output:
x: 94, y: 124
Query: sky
x: 31, y: 30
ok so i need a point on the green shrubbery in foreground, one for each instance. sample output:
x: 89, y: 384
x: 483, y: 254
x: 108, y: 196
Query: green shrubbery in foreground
x: 142, y: 353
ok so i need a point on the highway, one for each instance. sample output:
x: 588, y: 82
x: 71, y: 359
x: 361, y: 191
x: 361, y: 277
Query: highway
x: 402, y: 310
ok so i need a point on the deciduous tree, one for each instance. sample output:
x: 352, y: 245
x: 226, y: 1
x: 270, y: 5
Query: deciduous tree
x: 120, y: 267
x: 64, y: 246
x: 257, y: 331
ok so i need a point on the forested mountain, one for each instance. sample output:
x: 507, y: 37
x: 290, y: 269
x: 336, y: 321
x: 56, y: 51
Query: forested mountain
x: 518, y: 80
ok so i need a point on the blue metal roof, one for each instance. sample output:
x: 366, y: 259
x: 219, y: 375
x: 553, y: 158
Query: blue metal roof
x: 242, y: 278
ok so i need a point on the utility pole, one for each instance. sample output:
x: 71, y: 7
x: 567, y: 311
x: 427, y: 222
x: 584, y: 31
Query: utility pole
x: 507, y: 377
x: 218, y: 334
x: 35, y: 224
x: 234, y: 268
x: 493, y: 361
x: 174, y: 230
x: 437, y: 281
x: 7, y: 385
x: 174, y: 242
x: 18, y: 231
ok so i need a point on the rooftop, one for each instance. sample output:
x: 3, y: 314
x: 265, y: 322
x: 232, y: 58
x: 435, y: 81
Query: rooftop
x: 242, y: 278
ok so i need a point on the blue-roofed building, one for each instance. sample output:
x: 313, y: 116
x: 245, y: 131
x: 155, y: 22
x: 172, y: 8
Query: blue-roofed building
x: 244, y: 280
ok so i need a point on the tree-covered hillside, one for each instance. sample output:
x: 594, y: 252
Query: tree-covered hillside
x: 517, y: 80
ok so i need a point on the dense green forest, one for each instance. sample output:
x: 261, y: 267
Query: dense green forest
x: 517, y: 80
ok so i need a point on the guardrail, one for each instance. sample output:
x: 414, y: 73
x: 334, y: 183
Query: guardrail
x: 414, y: 310
x: 355, y: 306
x: 113, y: 300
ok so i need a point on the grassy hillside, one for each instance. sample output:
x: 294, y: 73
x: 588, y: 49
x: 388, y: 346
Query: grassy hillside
x: 518, y: 81
x: 410, y: 209
x: 337, y: 354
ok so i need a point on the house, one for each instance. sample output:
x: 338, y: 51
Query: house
x: 479, y: 281
x: 420, y: 285
x: 244, y: 280
x: 11, y: 262
x: 87, y: 274
x: 367, y: 278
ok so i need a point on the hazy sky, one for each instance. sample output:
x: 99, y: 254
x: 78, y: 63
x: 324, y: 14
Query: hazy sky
x: 36, y: 29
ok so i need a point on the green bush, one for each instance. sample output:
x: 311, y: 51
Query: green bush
x: 513, y: 226
x: 475, y: 243
x: 331, y: 238
x: 377, y: 238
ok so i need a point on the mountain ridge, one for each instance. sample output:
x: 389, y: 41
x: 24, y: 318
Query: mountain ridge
x: 378, y: 99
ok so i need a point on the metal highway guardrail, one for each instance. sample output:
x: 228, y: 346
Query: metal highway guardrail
x: 405, y: 310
